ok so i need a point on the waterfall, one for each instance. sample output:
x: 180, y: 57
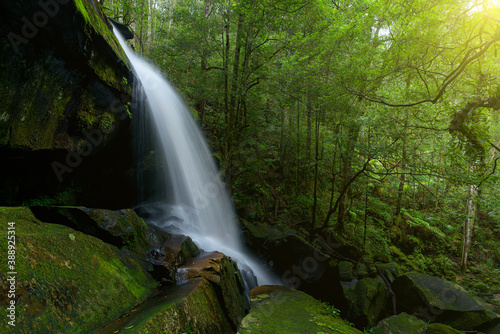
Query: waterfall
x: 197, y: 196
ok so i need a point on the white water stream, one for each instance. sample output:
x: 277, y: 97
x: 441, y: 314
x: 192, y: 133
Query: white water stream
x: 198, y: 196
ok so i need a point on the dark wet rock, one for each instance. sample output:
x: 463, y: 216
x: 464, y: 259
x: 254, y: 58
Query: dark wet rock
x: 121, y: 228
x: 368, y: 301
x: 495, y: 329
x: 173, y: 252
x: 311, y: 267
x: 64, y: 124
x: 437, y: 300
x: 124, y: 30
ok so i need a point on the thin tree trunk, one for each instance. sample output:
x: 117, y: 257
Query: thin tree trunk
x: 315, y: 192
x: 298, y: 149
x: 469, y: 221
x: 403, y: 176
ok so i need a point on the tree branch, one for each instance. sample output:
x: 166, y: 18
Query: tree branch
x: 452, y: 76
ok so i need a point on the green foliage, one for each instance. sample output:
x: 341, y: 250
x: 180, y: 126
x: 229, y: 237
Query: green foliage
x: 61, y: 198
x: 296, y: 104
x: 415, y: 221
x: 331, y: 310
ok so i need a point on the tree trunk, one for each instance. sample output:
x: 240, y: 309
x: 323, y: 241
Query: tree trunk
x: 403, y: 176
x: 315, y: 192
x: 469, y: 221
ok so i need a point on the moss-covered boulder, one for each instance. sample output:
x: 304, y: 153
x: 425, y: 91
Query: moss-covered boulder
x: 192, y: 307
x: 66, y: 281
x: 121, y: 228
x: 209, y: 298
x: 437, y: 300
x: 368, y: 301
x: 404, y: 324
x: 278, y: 309
x: 224, y: 274
x: 64, y: 120
x: 159, y: 252
x: 177, y: 249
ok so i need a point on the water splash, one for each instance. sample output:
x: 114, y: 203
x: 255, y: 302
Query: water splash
x: 198, y: 199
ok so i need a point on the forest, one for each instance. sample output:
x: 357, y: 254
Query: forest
x: 376, y: 118
x: 359, y: 142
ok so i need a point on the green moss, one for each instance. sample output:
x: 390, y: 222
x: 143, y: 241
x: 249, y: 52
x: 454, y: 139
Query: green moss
x: 81, y: 8
x: 481, y: 287
x: 281, y: 310
x: 38, y: 110
x: 191, y: 307
x: 368, y: 299
x: 125, y: 224
x: 189, y: 249
x: 233, y: 291
x: 96, y: 20
x: 440, y: 329
x: 107, y: 122
x: 61, y: 198
x: 68, y: 281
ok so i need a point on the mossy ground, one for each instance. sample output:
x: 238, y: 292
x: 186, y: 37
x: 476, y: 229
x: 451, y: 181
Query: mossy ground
x: 67, y: 282
x: 280, y: 310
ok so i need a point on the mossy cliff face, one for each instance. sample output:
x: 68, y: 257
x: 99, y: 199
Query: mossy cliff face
x: 66, y: 281
x: 59, y: 75
x: 64, y: 91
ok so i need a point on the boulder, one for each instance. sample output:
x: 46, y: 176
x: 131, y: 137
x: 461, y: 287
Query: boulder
x: 121, y: 228
x: 278, y: 309
x: 66, y: 281
x: 192, y: 307
x: 345, y: 271
x: 404, y: 324
x: 209, y: 298
x: 302, y: 265
x: 368, y: 301
x: 437, y: 300
x: 159, y: 252
x: 223, y: 272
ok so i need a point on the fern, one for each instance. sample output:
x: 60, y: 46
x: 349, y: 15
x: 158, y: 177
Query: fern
x: 423, y: 225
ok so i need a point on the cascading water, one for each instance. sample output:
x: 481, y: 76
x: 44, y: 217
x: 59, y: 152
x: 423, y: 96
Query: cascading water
x: 197, y: 195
